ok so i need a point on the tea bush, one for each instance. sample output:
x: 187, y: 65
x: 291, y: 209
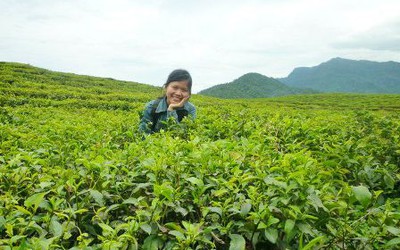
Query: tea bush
x: 300, y: 172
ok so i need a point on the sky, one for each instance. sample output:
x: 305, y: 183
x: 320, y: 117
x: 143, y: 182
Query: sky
x: 217, y: 41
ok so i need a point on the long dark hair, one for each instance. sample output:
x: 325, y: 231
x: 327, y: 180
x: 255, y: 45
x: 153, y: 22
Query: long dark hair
x: 179, y: 75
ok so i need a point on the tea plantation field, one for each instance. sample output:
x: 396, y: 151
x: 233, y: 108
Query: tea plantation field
x: 298, y: 172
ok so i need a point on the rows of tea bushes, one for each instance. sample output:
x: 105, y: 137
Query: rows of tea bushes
x: 300, y: 172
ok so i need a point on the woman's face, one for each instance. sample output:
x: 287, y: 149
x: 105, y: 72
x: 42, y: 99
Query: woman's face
x: 176, y: 91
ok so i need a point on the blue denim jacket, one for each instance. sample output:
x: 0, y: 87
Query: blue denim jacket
x: 164, y: 115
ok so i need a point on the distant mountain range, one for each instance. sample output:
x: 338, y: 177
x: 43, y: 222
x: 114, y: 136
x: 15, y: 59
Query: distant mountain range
x: 252, y: 85
x: 335, y: 75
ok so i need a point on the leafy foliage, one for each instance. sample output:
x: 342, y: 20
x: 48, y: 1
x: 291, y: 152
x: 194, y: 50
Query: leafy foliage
x: 304, y: 172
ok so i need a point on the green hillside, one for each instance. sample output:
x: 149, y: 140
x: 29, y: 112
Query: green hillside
x: 316, y: 171
x: 252, y: 85
x: 23, y: 83
x: 344, y: 75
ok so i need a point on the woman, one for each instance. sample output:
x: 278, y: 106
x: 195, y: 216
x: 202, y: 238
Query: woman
x: 174, y: 103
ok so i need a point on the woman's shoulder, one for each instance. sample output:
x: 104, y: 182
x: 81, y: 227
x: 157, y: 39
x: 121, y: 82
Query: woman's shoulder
x: 152, y: 102
x: 189, y: 106
x: 149, y: 103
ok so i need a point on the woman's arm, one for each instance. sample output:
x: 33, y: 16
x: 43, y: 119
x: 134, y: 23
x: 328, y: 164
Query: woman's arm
x: 192, y: 111
x: 146, y: 119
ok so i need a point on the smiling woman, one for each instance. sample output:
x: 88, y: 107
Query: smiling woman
x: 173, y: 105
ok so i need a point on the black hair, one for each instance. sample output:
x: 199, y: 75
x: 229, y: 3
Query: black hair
x: 179, y: 75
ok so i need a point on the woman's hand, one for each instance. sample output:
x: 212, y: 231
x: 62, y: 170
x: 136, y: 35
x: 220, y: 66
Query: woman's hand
x: 174, y: 106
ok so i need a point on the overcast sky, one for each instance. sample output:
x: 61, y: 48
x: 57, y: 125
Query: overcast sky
x: 217, y: 41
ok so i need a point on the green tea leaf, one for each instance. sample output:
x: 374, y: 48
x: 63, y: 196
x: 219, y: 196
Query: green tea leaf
x: 271, y: 234
x: 314, y: 242
x: 56, y: 228
x: 316, y: 202
x: 81, y: 211
x: 305, y: 228
x: 173, y: 225
x: 23, y: 210
x: 97, y: 196
x: 217, y: 210
x: 35, y: 200
x: 9, y: 229
x: 237, y: 242
x: 45, y: 184
x: 393, y: 242
x: 272, y: 220
x: 2, y: 222
x: 245, y: 209
x: 152, y: 242
x: 177, y: 234
x: 132, y: 201
x: 289, y: 225
x: 196, y: 181
x: 181, y: 210
x: 220, y: 192
x: 147, y: 228
x: 362, y: 194
x: 16, y: 238
x: 106, y: 229
x: 261, y: 225
x: 164, y: 190
x: 394, y: 230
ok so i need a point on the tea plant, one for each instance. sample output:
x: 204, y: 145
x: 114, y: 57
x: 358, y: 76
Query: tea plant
x: 286, y: 173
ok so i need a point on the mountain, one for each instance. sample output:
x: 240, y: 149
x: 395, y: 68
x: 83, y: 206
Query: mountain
x: 344, y: 75
x: 252, y: 85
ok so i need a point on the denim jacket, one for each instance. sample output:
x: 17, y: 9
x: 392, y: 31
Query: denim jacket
x: 162, y: 108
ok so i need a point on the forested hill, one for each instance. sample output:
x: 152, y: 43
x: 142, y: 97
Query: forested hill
x: 252, y: 85
x: 344, y: 75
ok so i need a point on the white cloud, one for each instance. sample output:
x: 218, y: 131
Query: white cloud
x: 380, y: 38
x: 217, y: 41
